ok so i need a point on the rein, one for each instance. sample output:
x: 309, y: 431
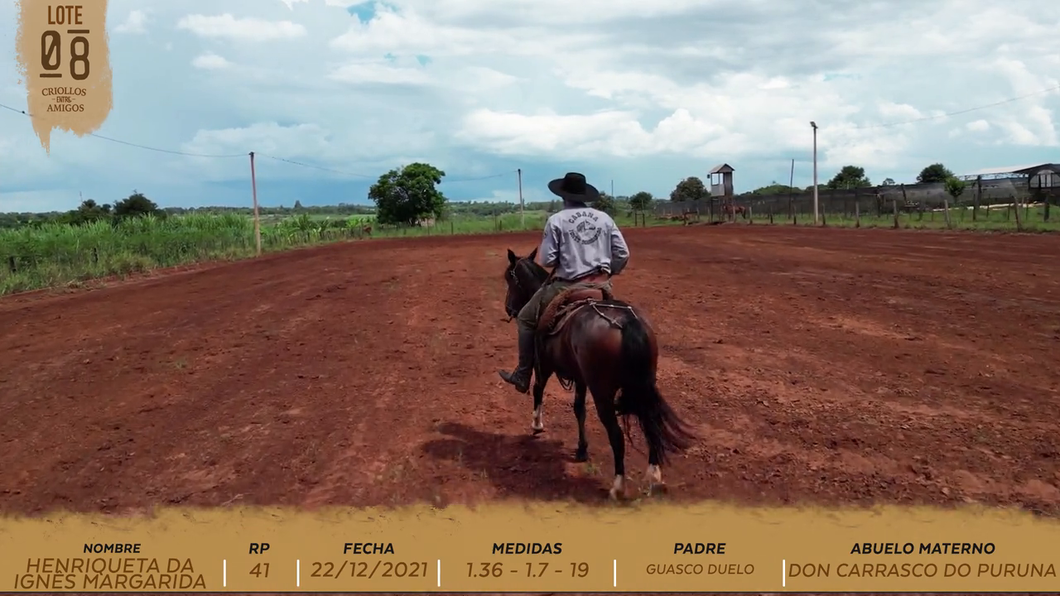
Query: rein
x: 595, y: 305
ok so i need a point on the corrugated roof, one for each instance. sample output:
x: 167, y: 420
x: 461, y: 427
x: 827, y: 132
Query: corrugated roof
x: 722, y: 166
x: 1003, y: 170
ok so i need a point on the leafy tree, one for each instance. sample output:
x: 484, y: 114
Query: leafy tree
x: 936, y: 172
x: 955, y: 187
x: 136, y: 205
x: 408, y: 194
x: 776, y: 189
x: 88, y: 212
x: 298, y: 206
x: 848, y: 178
x: 640, y: 201
x: 889, y: 182
x: 689, y: 189
x: 605, y: 203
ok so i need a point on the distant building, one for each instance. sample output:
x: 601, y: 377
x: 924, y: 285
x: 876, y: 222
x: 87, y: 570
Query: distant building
x: 721, y: 181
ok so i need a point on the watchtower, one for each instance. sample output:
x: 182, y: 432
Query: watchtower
x: 721, y: 182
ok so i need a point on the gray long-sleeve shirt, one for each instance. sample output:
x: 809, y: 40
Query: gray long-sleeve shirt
x: 579, y: 241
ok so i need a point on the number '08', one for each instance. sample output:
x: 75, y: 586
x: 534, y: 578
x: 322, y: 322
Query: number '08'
x: 51, y: 54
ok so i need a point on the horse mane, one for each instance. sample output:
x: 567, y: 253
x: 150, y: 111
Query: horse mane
x: 537, y: 272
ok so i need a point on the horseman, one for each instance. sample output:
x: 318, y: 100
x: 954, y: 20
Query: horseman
x: 584, y: 245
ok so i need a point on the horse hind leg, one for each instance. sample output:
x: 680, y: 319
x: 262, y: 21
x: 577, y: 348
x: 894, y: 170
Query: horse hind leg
x: 582, y: 453
x: 537, y: 423
x: 653, y: 476
x: 604, y: 400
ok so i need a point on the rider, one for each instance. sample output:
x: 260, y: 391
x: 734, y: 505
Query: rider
x: 584, y: 245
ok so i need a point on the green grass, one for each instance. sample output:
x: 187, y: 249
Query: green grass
x: 54, y: 254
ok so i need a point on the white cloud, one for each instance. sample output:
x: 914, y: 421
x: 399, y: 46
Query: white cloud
x: 647, y: 91
x: 379, y: 73
x: 210, y: 61
x: 134, y: 23
x: 246, y: 29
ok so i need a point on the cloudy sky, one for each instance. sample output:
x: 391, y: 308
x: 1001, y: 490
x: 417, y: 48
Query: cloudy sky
x: 642, y: 93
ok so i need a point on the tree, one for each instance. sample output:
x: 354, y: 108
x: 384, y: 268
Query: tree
x: 136, y: 205
x: 689, y: 189
x: 848, y: 178
x: 936, y: 172
x: 605, y: 203
x: 955, y: 187
x: 889, y: 182
x: 775, y: 188
x: 88, y: 212
x: 408, y: 194
x: 640, y: 201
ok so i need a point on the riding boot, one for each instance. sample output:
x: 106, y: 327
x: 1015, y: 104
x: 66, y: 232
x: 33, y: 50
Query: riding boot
x: 520, y: 377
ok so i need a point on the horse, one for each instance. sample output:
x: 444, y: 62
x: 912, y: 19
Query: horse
x: 607, y: 347
x: 733, y: 210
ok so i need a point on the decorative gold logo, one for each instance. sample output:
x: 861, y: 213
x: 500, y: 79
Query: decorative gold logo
x: 64, y: 59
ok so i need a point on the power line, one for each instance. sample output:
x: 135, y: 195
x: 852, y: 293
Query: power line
x: 137, y: 145
x: 306, y: 165
x: 508, y: 173
x: 959, y: 112
x: 283, y: 159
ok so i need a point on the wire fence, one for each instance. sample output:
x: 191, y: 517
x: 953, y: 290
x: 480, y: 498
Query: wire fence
x: 1009, y: 198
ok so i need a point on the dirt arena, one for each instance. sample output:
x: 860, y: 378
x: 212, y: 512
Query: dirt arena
x: 820, y: 366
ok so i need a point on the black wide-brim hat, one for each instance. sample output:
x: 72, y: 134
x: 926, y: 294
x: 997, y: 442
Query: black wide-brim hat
x: 573, y: 187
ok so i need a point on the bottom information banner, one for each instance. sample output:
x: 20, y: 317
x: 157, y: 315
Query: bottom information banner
x: 534, y: 548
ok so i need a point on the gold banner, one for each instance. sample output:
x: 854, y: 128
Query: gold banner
x: 534, y: 548
x: 63, y: 55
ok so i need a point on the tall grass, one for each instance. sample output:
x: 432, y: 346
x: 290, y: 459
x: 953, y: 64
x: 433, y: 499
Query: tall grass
x: 59, y: 254
x: 55, y: 254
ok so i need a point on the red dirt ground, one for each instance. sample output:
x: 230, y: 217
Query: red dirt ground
x: 820, y: 366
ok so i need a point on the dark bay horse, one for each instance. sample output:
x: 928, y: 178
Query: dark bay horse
x: 608, y: 348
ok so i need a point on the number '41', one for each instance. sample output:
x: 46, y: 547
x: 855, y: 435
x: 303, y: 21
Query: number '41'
x: 260, y: 570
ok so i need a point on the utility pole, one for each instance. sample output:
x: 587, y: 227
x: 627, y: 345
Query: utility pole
x: 522, y: 210
x: 257, y: 216
x: 816, y: 214
x: 612, y: 189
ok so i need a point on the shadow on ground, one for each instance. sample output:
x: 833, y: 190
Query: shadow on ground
x: 519, y: 466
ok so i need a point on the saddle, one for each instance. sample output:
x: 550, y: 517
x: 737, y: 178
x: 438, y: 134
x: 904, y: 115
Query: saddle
x: 585, y: 291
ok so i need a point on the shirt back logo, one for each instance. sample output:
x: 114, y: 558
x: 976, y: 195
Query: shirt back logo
x: 584, y: 228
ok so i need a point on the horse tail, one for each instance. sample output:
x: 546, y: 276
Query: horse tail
x: 663, y: 429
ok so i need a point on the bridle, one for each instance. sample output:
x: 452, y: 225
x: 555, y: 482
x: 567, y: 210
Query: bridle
x: 515, y: 278
x: 518, y: 284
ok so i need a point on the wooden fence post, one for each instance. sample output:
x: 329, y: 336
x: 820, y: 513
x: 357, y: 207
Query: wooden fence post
x: 894, y: 207
x: 978, y: 197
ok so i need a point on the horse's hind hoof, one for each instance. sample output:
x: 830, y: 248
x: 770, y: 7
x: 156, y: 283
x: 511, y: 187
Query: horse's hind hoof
x: 537, y: 431
x: 658, y: 489
x: 581, y: 455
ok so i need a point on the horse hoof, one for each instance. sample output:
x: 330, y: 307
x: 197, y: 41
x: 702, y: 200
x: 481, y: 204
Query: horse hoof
x: 658, y: 489
x: 581, y: 455
x: 537, y: 430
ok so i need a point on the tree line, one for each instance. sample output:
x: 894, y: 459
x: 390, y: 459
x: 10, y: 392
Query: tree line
x: 409, y: 195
